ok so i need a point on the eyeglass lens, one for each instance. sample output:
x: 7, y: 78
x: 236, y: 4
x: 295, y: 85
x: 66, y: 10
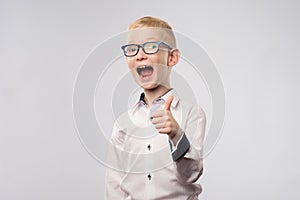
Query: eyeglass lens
x: 148, y: 48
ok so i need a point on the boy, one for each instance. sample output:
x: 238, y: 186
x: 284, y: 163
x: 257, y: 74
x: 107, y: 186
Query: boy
x: 157, y: 146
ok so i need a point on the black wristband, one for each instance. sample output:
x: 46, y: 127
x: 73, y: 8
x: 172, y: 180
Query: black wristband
x: 182, y: 148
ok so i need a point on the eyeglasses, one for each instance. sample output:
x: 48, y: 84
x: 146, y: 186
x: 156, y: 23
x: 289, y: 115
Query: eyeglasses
x: 148, y: 48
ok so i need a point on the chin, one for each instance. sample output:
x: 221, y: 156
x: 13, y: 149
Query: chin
x: 149, y: 86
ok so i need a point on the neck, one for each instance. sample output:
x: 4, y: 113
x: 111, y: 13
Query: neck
x: 152, y: 94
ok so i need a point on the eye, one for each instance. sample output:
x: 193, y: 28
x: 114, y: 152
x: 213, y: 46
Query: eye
x: 152, y: 46
x: 131, y: 49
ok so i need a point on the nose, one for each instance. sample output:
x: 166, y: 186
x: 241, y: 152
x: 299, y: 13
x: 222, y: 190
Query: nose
x: 141, y: 55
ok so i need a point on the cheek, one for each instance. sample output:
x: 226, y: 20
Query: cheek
x: 130, y: 63
x: 160, y: 59
x: 163, y: 59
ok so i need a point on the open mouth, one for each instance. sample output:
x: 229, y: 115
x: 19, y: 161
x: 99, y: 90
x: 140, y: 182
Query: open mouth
x: 145, y: 70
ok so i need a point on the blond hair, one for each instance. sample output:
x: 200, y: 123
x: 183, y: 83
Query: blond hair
x: 153, y: 22
x: 148, y: 21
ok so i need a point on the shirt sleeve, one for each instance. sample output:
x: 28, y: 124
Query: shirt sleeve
x: 187, y: 154
x: 114, y: 173
x: 182, y: 147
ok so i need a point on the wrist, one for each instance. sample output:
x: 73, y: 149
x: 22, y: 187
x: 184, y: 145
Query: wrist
x: 176, y: 136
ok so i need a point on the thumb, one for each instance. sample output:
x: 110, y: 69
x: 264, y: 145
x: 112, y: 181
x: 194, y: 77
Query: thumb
x: 168, y: 102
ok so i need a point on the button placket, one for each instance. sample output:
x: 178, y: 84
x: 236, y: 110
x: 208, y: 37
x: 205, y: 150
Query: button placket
x: 156, y: 105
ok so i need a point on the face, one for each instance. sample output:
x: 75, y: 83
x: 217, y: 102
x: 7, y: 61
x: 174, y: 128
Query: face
x: 152, y: 70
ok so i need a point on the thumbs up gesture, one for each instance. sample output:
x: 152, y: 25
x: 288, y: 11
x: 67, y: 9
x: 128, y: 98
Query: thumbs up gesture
x: 164, y: 121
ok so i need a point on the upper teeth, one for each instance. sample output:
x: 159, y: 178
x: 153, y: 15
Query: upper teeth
x: 142, y: 67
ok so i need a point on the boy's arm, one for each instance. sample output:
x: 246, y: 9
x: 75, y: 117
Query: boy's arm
x: 186, y: 145
x: 113, y: 177
x: 188, y: 148
x: 112, y: 184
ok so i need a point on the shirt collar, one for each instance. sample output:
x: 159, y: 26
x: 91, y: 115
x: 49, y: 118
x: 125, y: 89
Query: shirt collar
x: 165, y: 96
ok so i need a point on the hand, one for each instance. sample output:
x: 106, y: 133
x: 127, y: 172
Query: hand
x: 164, y: 121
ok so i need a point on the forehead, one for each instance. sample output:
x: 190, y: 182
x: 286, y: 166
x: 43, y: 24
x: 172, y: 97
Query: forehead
x: 143, y: 35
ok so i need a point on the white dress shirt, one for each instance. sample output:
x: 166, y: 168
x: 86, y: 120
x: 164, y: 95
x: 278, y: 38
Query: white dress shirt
x: 146, y: 165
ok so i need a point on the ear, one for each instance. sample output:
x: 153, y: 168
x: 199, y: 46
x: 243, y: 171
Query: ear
x: 174, y: 57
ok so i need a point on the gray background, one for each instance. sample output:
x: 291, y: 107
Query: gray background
x: 253, y: 43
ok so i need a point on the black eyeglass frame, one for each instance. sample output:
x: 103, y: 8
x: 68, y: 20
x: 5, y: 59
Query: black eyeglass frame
x: 159, y: 43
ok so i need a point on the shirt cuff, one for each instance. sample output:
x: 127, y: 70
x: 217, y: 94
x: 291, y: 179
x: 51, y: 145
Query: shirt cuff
x: 182, y: 148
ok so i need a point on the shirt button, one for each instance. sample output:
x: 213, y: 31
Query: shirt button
x: 149, y: 177
x: 160, y: 100
x: 149, y: 147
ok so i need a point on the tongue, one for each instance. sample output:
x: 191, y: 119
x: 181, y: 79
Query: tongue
x: 146, y: 72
